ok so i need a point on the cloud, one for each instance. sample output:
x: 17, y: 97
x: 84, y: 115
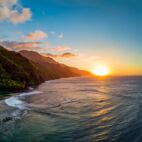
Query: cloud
x: 61, y: 36
x: 41, y: 47
x: 34, y: 45
x: 60, y: 48
x: 52, y: 33
x: 64, y: 55
x: 17, y: 46
x: 12, y: 11
x: 35, y: 36
x: 17, y: 17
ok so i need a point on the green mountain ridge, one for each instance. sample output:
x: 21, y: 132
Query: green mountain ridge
x: 17, y: 72
x: 28, y: 68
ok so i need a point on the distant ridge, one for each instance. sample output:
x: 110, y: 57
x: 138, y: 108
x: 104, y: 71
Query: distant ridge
x: 28, y: 68
x: 36, y: 57
x: 55, y: 69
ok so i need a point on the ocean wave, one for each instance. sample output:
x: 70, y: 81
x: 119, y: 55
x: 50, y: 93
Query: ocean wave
x: 30, y: 93
x: 15, y: 101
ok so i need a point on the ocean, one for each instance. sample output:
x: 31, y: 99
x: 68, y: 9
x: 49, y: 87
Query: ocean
x: 80, y: 109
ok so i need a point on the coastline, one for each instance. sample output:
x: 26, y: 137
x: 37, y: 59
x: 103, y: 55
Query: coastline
x: 9, y: 93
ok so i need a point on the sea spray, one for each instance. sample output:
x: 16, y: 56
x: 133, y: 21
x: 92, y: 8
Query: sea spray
x: 16, y: 101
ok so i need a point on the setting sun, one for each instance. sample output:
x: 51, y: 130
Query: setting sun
x: 101, y: 71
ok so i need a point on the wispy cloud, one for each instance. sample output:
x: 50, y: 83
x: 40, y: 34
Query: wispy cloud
x: 17, y: 46
x: 68, y: 55
x: 31, y: 46
x: 41, y: 47
x: 35, y: 36
x: 61, y: 36
x: 34, y: 45
x: 64, y: 55
x: 12, y: 11
x: 60, y: 48
x: 52, y: 33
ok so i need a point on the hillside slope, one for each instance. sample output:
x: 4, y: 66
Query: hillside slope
x: 51, y: 67
x: 16, y: 71
x: 20, y: 70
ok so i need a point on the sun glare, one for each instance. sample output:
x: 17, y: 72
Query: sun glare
x: 100, y: 71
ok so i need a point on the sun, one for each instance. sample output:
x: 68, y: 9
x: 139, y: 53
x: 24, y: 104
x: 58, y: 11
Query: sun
x: 100, y: 71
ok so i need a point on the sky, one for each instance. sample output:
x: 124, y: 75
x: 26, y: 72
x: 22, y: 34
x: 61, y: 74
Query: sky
x: 80, y: 33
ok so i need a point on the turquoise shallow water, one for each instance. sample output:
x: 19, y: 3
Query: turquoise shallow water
x: 75, y: 110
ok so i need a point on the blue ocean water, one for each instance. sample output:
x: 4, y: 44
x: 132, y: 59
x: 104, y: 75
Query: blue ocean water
x: 75, y: 110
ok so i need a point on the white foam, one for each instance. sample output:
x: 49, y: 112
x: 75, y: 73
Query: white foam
x: 30, y: 93
x: 15, y: 101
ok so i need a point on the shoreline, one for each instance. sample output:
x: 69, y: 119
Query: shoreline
x: 17, y: 100
x: 9, y: 93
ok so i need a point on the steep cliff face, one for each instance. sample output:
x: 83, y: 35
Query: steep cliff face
x: 27, y: 68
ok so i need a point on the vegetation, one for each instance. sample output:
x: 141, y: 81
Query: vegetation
x: 16, y: 72
x: 20, y: 70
